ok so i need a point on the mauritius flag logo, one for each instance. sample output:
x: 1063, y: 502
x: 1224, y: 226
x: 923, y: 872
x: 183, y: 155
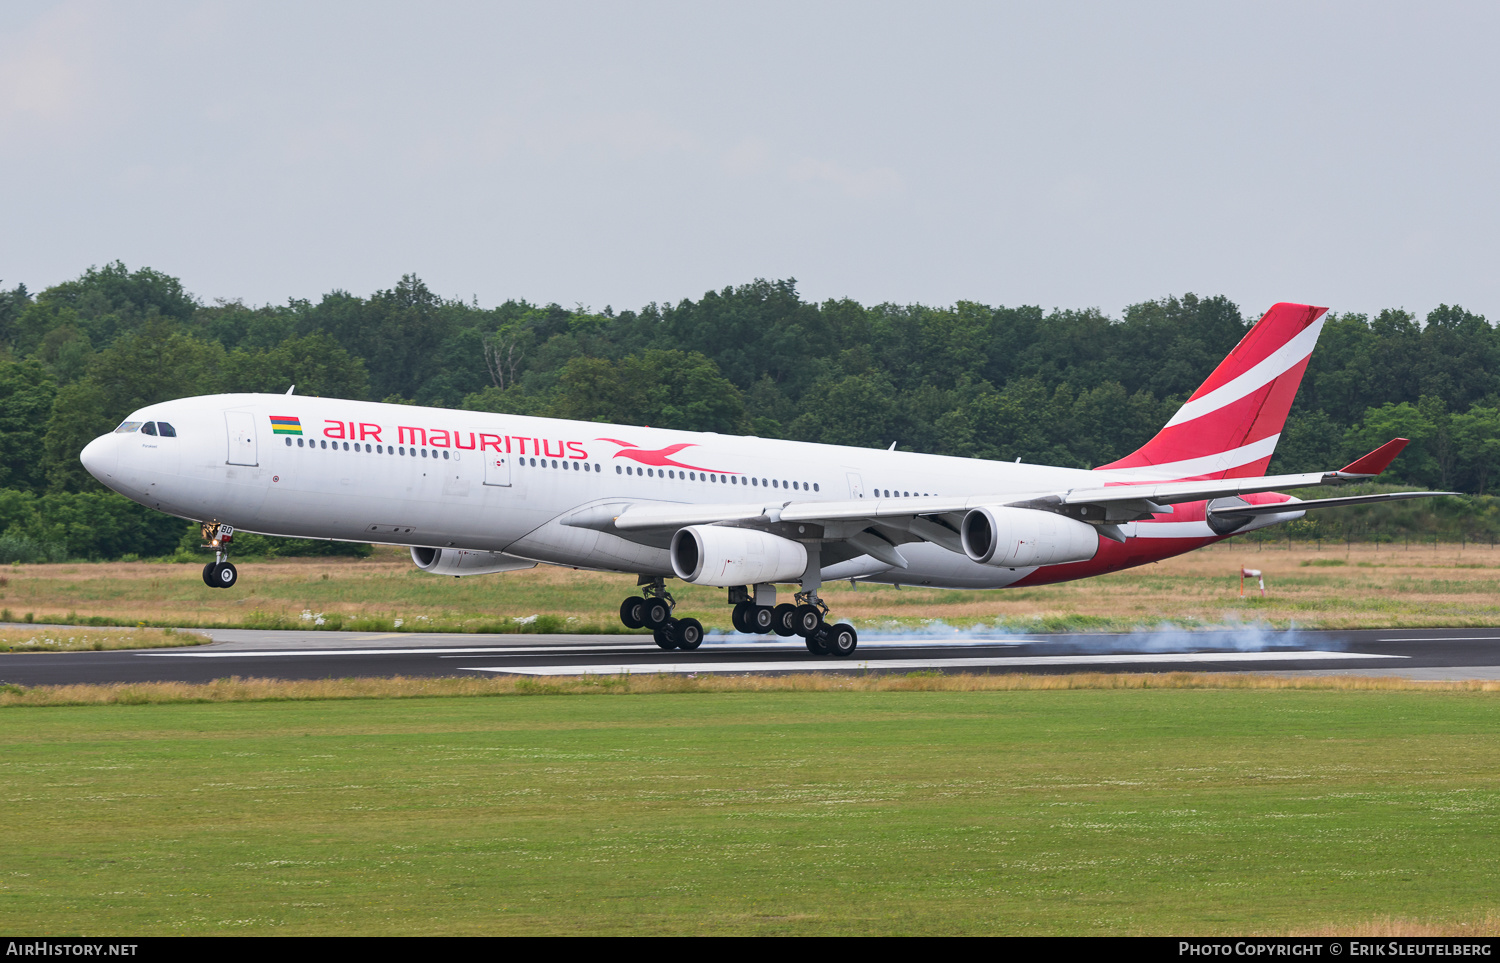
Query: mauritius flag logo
x: 285, y: 425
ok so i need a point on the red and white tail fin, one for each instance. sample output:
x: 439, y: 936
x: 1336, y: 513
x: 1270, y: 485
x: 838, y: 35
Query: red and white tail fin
x: 1230, y: 426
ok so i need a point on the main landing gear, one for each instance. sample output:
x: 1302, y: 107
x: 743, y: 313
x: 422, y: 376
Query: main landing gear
x: 220, y: 573
x: 652, y: 609
x: 807, y: 618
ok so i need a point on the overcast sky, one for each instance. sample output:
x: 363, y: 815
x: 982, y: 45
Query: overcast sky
x: 1069, y: 155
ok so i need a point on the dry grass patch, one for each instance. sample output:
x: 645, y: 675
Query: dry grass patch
x: 1390, y: 926
x: 281, y: 690
x: 55, y: 639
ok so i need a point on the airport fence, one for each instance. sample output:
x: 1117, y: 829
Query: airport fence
x: 1289, y: 537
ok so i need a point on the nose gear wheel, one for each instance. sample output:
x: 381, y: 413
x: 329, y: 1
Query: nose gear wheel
x: 220, y: 573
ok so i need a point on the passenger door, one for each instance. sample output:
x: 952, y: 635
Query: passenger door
x: 241, y: 428
x: 497, y: 468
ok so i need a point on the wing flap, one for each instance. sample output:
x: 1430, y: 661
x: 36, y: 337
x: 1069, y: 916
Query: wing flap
x: 676, y: 515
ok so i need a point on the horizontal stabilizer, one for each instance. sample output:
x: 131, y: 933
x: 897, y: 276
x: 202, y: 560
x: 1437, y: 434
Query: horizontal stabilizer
x: 1378, y: 460
x: 1281, y: 507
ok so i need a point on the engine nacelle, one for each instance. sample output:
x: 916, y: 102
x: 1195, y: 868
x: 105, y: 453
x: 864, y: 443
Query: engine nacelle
x: 717, y: 555
x: 1023, y: 537
x: 460, y: 561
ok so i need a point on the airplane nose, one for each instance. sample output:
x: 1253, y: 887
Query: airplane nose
x: 100, y: 457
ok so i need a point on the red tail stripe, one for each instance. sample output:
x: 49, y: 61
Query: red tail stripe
x: 1281, y: 324
x: 1256, y: 416
x: 1188, y: 440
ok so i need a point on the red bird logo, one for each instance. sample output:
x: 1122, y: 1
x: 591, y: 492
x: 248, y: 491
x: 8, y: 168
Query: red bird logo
x: 660, y: 458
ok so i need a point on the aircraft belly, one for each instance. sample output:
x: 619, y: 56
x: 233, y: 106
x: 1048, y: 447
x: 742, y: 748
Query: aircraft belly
x: 935, y: 566
x: 562, y: 544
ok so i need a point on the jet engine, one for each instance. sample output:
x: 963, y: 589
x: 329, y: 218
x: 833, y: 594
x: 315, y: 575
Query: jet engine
x: 718, y: 555
x: 1023, y: 537
x: 459, y: 561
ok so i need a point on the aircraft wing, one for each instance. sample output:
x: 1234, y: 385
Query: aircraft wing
x: 936, y: 518
x: 638, y: 517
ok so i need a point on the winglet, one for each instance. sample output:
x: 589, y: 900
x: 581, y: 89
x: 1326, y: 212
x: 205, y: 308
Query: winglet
x: 1376, y: 461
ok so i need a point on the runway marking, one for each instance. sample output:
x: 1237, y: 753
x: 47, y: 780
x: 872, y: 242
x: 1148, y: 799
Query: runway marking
x: 845, y: 665
x: 1455, y: 638
x: 487, y: 650
x: 459, y: 653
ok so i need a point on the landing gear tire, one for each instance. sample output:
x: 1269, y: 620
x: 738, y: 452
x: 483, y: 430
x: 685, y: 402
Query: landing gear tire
x: 655, y: 613
x: 224, y: 575
x: 689, y: 634
x: 666, y: 634
x: 740, y: 617
x: 784, y: 619
x: 815, y: 645
x: 762, y: 620
x: 839, y: 640
x: 807, y: 621
x: 208, y: 575
x: 631, y: 611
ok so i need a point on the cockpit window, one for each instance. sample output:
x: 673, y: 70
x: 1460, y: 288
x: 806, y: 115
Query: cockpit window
x: 126, y: 426
x: 167, y: 431
x: 149, y: 428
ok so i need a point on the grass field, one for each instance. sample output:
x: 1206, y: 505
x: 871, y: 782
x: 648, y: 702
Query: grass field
x: 1365, y: 585
x: 1027, y: 811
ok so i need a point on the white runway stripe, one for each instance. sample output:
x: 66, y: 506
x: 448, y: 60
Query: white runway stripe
x: 487, y: 650
x: 645, y: 644
x: 1451, y: 638
x: 848, y: 665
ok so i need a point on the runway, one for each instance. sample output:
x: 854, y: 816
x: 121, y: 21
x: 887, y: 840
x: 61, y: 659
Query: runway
x: 1410, y: 653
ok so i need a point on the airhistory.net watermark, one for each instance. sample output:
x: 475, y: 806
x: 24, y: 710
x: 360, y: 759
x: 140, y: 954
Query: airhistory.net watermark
x: 70, y: 948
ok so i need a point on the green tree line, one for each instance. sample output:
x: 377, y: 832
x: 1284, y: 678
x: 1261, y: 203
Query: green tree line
x: 1066, y: 387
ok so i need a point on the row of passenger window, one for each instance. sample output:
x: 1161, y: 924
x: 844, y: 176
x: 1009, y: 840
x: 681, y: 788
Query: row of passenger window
x: 564, y: 464
x: 673, y: 474
x: 702, y: 476
x: 375, y: 449
x: 889, y: 494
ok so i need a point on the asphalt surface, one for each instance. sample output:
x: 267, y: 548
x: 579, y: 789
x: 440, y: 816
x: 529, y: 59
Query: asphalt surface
x: 1410, y: 653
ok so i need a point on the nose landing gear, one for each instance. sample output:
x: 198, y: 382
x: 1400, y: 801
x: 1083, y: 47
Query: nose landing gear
x: 220, y: 573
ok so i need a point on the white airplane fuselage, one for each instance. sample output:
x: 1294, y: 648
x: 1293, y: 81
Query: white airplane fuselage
x: 432, y: 477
